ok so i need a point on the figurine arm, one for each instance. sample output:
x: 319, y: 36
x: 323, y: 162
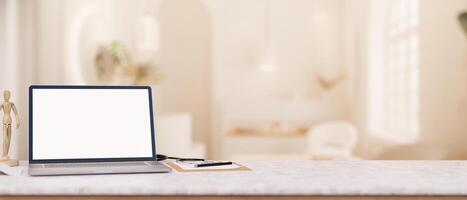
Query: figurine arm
x: 15, y: 111
x: 1, y: 107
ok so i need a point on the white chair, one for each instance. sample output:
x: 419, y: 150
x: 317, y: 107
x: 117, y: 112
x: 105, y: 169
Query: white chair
x: 332, y: 140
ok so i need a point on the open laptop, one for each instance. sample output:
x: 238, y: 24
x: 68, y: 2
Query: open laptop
x: 91, y: 130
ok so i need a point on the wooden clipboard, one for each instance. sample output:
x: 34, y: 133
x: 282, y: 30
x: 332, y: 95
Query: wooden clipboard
x: 179, y: 169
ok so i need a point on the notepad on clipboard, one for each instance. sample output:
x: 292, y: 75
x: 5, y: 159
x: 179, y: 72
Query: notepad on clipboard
x: 189, y: 167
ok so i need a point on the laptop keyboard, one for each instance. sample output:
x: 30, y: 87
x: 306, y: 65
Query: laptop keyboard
x: 107, y: 164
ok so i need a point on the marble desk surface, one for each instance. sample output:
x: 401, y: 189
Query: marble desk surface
x: 266, y: 178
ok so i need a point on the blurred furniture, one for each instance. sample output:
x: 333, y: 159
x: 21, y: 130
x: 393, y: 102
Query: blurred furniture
x: 413, y: 152
x: 272, y: 128
x: 463, y: 21
x: 423, y: 152
x: 174, y: 136
x: 332, y: 140
x: 323, y: 180
x: 270, y: 157
x: 268, y: 128
x: 283, y: 147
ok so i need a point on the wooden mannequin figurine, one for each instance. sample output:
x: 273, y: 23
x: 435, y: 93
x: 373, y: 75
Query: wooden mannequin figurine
x: 7, y: 106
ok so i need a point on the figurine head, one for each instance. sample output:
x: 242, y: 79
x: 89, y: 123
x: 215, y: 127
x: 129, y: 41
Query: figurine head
x: 6, y: 95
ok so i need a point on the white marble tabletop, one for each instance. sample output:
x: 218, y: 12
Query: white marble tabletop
x: 266, y: 178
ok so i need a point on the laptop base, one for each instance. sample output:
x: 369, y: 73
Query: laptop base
x: 51, y: 169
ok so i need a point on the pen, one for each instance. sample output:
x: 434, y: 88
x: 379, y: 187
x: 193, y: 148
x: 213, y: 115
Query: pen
x: 213, y: 164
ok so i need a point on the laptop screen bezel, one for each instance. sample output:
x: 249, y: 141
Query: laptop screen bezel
x: 89, y: 87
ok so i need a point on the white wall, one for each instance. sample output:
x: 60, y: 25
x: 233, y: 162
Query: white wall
x: 443, y: 75
x: 221, y: 43
x: 185, y: 61
x: 49, y: 40
x: 8, y: 59
x: 305, y: 37
x: 356, y: 34
x: 8, y: 47
x: 2, y: 35
x: 237, y: 45
x: 17, y: 63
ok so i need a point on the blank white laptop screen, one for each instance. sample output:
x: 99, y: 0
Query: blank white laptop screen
x: 91, y: 123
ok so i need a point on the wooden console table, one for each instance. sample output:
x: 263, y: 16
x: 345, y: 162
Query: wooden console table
x: 321, y: 180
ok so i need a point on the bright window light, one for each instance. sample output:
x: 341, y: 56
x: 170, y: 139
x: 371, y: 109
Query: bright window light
x: 394, y: 74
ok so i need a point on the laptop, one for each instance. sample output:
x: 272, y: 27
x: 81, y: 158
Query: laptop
x: 91, y: 130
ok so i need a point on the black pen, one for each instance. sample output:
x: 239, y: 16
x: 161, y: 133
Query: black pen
x: 213, y: 164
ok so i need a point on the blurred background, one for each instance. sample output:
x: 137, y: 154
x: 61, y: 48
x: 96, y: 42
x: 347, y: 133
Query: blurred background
x: 261, y: 79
